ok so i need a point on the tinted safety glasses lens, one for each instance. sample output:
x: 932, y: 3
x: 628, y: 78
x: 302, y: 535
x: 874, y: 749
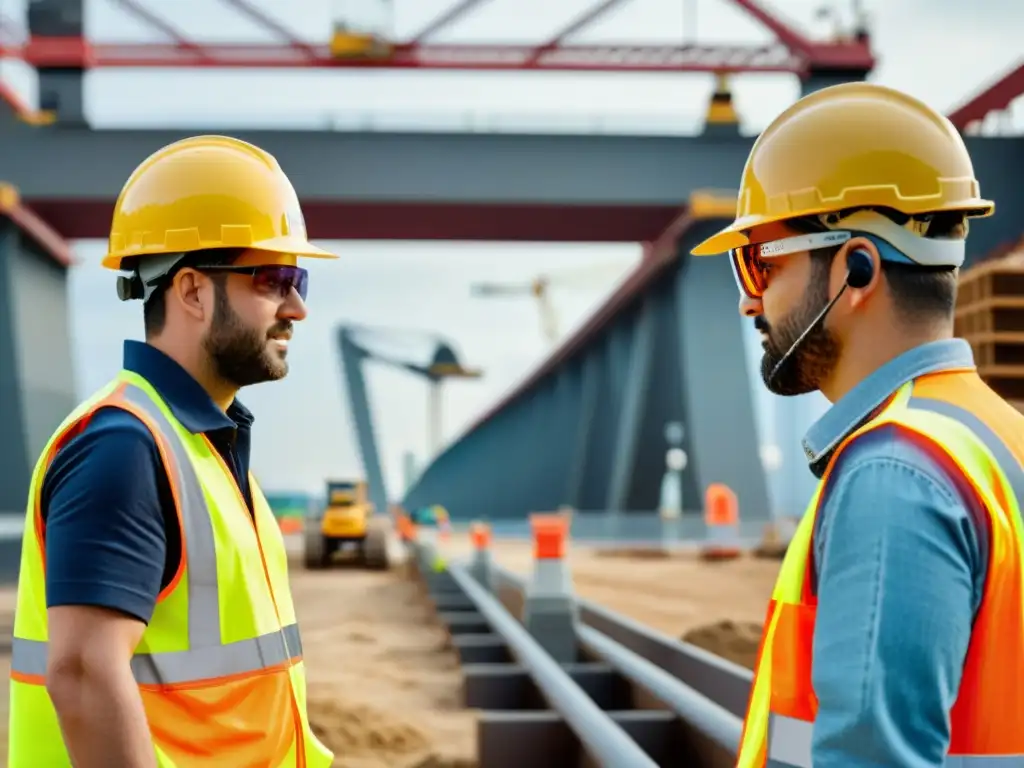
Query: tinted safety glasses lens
x: 750, y: 271
x: 281, y: 279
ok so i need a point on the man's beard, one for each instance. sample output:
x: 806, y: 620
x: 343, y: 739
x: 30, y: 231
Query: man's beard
x: 813, y: 360
x: 241, y: 355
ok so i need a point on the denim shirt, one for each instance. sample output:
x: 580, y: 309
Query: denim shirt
x: 900, y: 557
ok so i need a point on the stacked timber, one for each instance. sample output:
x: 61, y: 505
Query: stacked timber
x: 990, y: 316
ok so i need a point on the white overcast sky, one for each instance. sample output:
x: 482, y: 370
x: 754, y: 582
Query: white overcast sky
x: 940, y: 50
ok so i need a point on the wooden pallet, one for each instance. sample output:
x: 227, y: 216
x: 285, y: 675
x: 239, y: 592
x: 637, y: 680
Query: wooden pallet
x: 1002, y: 278
x: 990, y: 316
x: 997, y: 348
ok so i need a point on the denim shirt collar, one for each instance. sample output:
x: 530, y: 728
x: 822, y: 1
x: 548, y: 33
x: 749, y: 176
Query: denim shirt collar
x: 857, y: 405
x: 186, y: 398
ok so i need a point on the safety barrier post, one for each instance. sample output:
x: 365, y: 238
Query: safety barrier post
x: 407, y: 534
x: 549, y: 609
x: 722, y: 521
x: 430, y: 556
x: 480, y: 565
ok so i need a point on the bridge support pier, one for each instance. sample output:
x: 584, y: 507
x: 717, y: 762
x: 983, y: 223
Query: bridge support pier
x: 37, y: 388
x: 591, y: 435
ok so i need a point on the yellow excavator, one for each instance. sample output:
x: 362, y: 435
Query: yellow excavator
x: 346, y: 523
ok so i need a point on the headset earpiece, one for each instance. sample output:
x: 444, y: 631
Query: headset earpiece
x: 860, y: 268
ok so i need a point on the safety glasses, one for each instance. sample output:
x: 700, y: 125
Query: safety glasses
x: 270, y: 278
x: 751, y: 263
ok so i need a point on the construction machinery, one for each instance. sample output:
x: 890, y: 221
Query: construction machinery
x: 590, y: 276
x: 346, y: 523
x: 359, y: 343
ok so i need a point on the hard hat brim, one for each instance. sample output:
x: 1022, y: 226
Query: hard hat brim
x: 732, y: 236
x: 296, y: 246
x: 288, y: 244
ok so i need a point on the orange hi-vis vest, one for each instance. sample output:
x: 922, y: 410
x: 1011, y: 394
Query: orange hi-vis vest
x: 219, y: 666
x: 973, y: 431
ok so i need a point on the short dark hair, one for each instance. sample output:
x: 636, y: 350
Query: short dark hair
x: 921, y: 294
x: 154, y: 311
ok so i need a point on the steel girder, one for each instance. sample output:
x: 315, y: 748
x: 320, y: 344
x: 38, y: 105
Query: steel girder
x: 447, y: 186
x: 590, y: 435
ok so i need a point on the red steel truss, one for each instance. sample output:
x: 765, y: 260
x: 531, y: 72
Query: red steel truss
x: 995, y: 98
x: 792, y: 53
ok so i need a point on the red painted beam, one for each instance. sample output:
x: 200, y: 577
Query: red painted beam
x: 45, y: 237
x: 79, y: 53
x: 78, y: 219
x: 838, y: 54
x: 996, y: 97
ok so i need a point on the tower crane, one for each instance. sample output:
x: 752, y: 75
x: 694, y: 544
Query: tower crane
x: 359, y: 343
x: 591, y: 276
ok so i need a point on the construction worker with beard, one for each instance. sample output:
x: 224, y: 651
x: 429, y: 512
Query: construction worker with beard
x: 154, y: 623
x: 895, y: 633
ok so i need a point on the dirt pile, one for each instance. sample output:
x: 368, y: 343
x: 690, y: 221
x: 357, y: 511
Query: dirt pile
x: 364, y: 736
x: 736, y: 641
x: 635, y: 553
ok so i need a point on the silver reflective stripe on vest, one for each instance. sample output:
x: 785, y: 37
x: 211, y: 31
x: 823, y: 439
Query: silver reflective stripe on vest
x: 789, y: 742
x: 201, y: 551
x: 29, y: 658
x: 1001, y: 453
x: 207, y: 657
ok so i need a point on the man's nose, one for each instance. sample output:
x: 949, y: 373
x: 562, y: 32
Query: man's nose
x: 750, y: 307
x: 293, y: 308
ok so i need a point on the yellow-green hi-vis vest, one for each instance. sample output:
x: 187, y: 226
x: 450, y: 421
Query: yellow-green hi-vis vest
x: 219, y: 666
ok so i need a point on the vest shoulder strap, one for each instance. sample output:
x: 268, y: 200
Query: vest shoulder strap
x: 973, y: 446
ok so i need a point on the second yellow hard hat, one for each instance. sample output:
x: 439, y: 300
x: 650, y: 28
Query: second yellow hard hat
x: 852, y: 145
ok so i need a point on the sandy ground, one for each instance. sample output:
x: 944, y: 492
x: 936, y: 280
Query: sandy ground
x: 385, y: 690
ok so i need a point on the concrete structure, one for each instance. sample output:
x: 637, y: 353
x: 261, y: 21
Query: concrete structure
x: 36, y: 377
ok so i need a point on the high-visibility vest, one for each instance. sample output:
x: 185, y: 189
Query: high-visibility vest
x: 987, y: 720
x: 219, y: 666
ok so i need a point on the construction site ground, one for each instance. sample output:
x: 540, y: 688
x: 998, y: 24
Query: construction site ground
x: 384, y: 690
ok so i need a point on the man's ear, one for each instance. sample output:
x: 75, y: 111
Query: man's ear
x: 192, y: 291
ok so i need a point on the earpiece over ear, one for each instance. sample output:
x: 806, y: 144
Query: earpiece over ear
x: 860, y: 268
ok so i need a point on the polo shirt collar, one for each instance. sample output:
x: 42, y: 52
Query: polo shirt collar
x: 186, y: 398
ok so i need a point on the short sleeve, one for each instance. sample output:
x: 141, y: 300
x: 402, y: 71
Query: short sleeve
x: 105, y: 507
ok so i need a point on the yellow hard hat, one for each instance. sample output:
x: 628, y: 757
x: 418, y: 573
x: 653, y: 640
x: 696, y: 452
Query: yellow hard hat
x: 852, y: 145
x: 207, y: 192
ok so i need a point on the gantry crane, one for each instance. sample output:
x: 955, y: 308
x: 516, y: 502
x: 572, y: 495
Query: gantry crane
x: 540, y: 289
x: 360, y: 38
x: 359, y: 343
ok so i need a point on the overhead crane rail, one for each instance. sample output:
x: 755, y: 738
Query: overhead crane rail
x: 793, y: 52
x: 631, y: 697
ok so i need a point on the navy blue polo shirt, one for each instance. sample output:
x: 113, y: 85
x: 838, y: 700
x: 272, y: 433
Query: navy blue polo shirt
x: 112, y: 536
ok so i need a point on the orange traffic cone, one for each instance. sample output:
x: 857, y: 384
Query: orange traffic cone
x: 722, y: 521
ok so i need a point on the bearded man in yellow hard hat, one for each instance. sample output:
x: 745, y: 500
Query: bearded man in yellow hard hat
x: 154, y: 623
x: 895, y: 633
